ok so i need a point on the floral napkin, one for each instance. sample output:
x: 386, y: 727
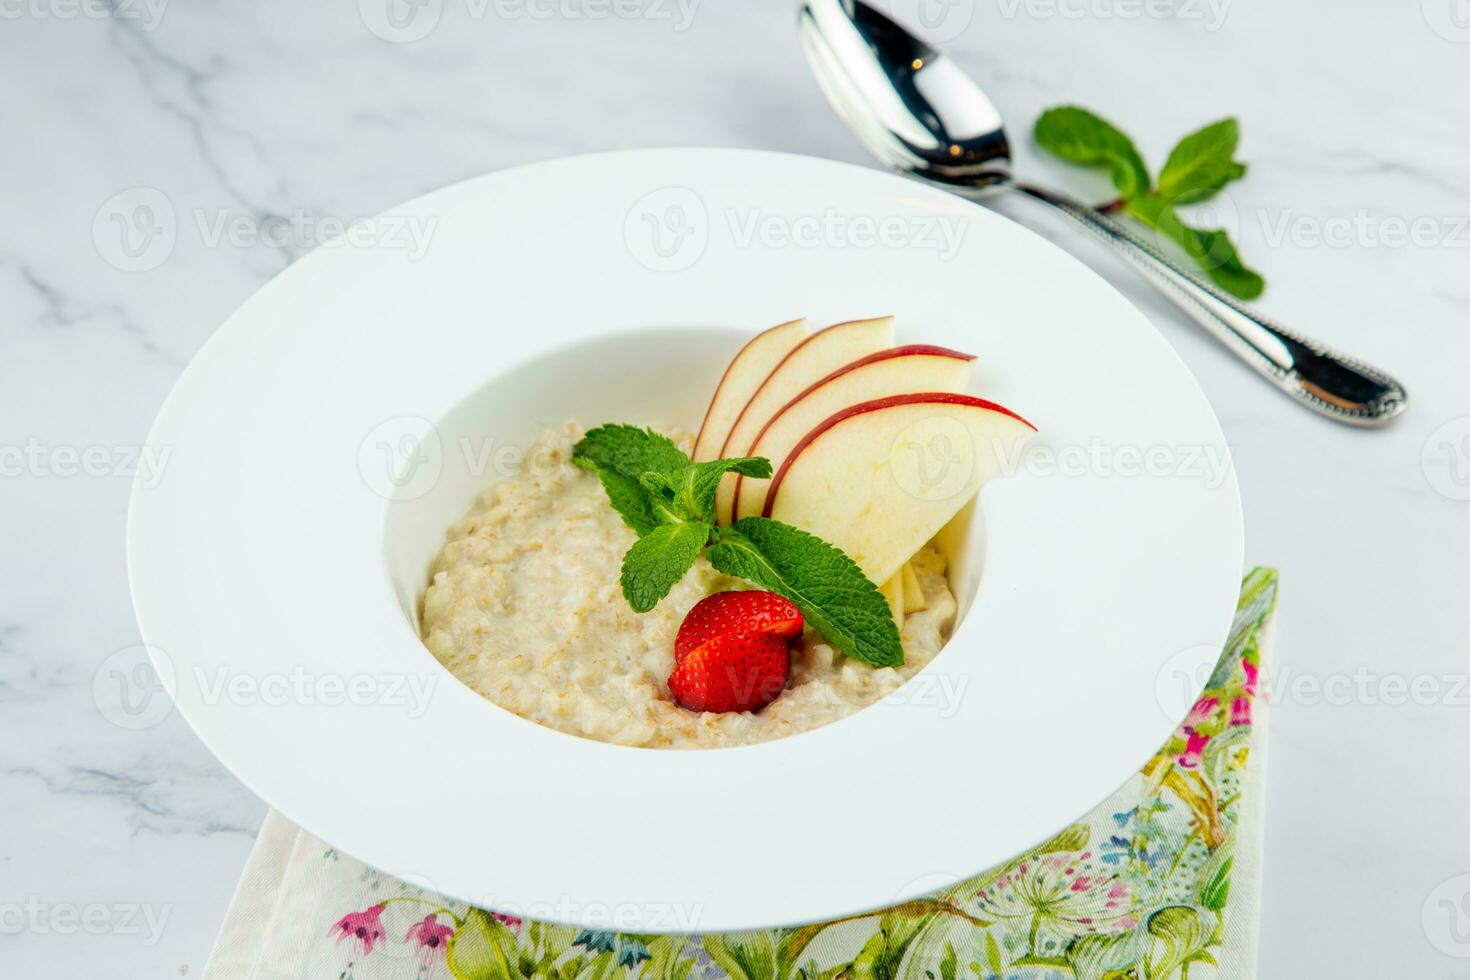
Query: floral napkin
x: 1161, y: 881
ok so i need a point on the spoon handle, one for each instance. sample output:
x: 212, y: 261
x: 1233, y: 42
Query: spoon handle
x: 1327, y: 382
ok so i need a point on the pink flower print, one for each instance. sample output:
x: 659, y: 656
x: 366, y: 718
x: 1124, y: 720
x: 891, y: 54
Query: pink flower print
x: 511, y: 922
x: 365, y: 927
x: 1201, y: 713
x: 1240, y: 711
x: 429, y: 938
x: 1065, y: 892
x: 1193, y: 751
x: 1252, y: 676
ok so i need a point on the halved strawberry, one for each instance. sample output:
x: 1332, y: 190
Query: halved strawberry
x: 734, y: 612
x: 742, y: 671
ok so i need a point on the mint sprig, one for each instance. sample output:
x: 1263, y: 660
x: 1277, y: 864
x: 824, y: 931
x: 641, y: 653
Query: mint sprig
x: 1197, y: 169
x: 668, y: 500
x: 826, y: 585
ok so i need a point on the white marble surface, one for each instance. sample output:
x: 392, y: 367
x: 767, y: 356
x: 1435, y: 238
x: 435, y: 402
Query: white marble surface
x: 1355, y: 121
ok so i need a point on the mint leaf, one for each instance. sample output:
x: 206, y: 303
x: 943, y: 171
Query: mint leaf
x: 703, y: 479
x: 634, y: 504
x: 658, y: 560
x: 1210, y: 247
x: 630, y: 451
x: 1201, y: 164
x: 634, y: 465
x: 826, y: 585
x: 1082, y: 137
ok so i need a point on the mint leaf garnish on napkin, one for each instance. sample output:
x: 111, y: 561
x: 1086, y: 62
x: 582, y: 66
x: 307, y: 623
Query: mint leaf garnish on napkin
x: 668, y: 500
x: 1197, y: 169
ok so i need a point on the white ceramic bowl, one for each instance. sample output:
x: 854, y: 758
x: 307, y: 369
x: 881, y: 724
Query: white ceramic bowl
x: 318, y: 455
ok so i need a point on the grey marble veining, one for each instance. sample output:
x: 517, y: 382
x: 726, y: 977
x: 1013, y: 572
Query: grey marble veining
x: 1354, y: 118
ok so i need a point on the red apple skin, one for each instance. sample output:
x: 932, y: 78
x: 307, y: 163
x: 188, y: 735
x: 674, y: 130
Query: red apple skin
x: 724, y: 502
x: 909, y: 350
x: 727, y: 448
x: 933, y: 397
x: 715, y: 398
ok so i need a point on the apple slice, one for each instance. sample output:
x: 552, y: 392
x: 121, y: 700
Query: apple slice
x: 744, y: 375
x: 814, y: 358
x: 893, y: 591
x: 896, y: 371
x: 879, y: 479
x: 913, y: 592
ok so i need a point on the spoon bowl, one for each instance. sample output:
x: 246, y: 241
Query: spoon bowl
x: 912, y: 107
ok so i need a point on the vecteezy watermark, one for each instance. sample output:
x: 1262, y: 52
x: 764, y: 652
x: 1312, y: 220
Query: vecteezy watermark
x: 134, y: 687
x: 1189, y: 670
x: 148, y: 14
x: 932, y: 691
x: 407, y: 21
x: 835, y: 229
x: 404, y: 457
x: 1363, y: 229
x: 37, y: 459
x: 135, y: 230
x: 933, y: 458
x: 1445, y: 459
x: 299, y: 686
x: 650, y: 916
x: 38, y: 917
x: 138, y: 229
x: 1209, y: 14
x: 300, y: 231
x: 1445, y: 917
x: 1209, y: 465
x: 1450, y: 19
x: 669, y: 230
x: 401, y: 458
x: 936, y: 20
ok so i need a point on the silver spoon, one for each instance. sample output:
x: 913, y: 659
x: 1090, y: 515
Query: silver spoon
x: 917, y: 111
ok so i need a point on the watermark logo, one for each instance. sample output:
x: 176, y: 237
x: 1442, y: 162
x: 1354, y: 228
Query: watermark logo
x: 1450, y: 19
x: 135, y: 230
x: 834, y: 229
x: 1182, y: 677
x: 407, y: 21
x: 401, y: 21
x: 932, y: 883
x: 1364, y: 229
x: 1209, y: 14
x: 147, y: 14
x: 37, y: 917
x: 138, y: 229
x: 34, y: 458
x: 936, y: 21
x: 134, y: 687
x: 298, y: 686
x: 933, y: 458
x: 1446, y: 917
x: 667, y: 230
x: 1445, y: 459
x: 401, y: 458
x: 932, y: 691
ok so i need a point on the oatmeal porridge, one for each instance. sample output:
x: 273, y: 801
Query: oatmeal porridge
x: 525, y: 608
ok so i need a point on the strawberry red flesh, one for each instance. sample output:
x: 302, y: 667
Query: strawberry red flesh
x: 734, y: 612
x: 740, y: 671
